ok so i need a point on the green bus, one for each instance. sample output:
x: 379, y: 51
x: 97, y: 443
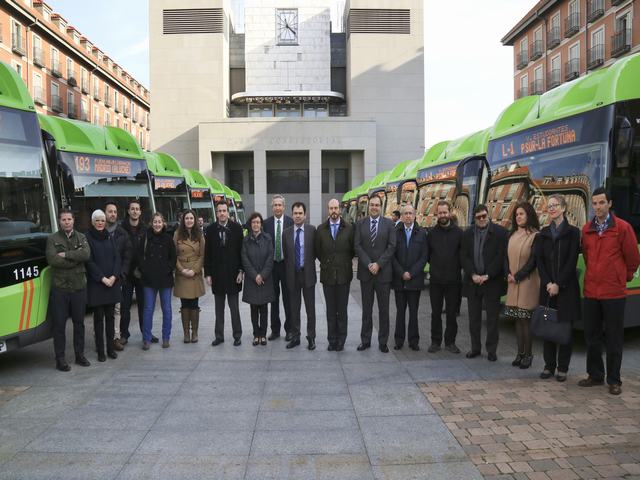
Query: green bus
x: 27, y: 217
x: 231, y: 203
x: 217, y: 191
x: 407, y: 185
x: 579, y: 136
x: 200, y: 195
x: 362, y: 199
x: 91, y: 165
x: 391, y: 187
x: 170, y: 193
x: 452, y: 172
x: 377, y: 187
x: 239, y: 207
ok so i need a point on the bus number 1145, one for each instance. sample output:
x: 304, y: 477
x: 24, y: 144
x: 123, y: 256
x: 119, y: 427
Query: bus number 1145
x: 25, y: 273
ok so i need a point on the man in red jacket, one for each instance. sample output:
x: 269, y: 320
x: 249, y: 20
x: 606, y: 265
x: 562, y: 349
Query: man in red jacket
x: 610, y: 250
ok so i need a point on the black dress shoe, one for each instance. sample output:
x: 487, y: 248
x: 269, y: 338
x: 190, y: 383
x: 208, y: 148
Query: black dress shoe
x: 339, y: 347
x: 62, y: 365
x: 492, y: 357
x: 331, y: 348
x: 590, y: 382
x: 288, y: 337
x: 397, y: 346
x: 363, y: 346
x: 102, y: 357
x: 293, y: 343
x: 237, y: 342
x: 82, y: 361
x: 415, y: 348
x: 112, y: 355
x: 383, y: 348
x: 472, y: 354
x: 273, y: 336
x: 312, y: 343
x: 154, y: 339
x: 546, y: 373
x: 217, y: 341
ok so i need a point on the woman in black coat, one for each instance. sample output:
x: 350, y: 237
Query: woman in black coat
x: 103, y: 283
x: 257, y: 260
x: 558, y: 248
x: 157, y: 260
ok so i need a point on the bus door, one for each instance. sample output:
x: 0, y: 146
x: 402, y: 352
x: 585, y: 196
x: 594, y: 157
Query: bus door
x: 473, y: 177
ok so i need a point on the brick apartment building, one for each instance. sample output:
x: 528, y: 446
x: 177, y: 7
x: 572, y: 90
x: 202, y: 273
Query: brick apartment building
x: 559, y: 40
x: 66, y: 74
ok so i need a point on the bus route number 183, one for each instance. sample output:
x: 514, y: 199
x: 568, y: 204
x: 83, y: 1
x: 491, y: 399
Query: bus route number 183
x: 25, y: 273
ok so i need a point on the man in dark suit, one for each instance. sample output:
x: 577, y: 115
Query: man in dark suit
x: 223, y: 270
x: 408, y: 275
x: 275, y: 226
x: 375, y: 244
x: 334, y: 249
x: 298, y: 244
x: 483, y: 256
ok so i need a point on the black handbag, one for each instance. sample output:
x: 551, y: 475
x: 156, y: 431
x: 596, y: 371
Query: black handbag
x: 546, y: 325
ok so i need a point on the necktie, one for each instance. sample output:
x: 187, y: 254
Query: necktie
x: 278, y: 244
x: 298, y: 251
x: 374, y: 231
x: 407, y: 232
x: 333, y: 230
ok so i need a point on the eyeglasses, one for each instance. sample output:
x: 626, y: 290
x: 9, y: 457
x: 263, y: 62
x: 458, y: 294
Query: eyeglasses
x: 552, y: 206
x: 481, y: 217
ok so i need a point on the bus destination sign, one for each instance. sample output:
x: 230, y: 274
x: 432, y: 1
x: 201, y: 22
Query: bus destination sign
x: 166, y: 183
x: 445, y: 172
x: 198, y: 193
x: 98, y: 166
x: 539, y: 140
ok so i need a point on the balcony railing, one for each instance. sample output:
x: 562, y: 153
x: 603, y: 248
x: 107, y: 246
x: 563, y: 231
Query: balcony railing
x: 84, y: 86
x: 18, y: 44
x: 572, y: 69
x: 134, y: 117
x: 71, y: 81
x: 620, y: 42
x: 522, y: 59
x: 553, y: 38
x: 523, y: 92
x: 38, y: 56
x: 554, y: 78
x: 595, y: 9
x: 107, y: 101
x: 125, y: 111
x: 56, y: 103
x: 96, y: 94
x: 536, y: 49
x: 71, y: 110
x: 536, y: 87
x: 571, y: 25
x: 84, y: 116
x: 595, y: 57
x: 116, y: 107
x: 38, y: 95
x: 55, y: 68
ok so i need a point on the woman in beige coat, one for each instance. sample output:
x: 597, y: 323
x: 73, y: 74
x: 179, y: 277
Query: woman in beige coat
x: 524, y: 283
x: 189, y: 283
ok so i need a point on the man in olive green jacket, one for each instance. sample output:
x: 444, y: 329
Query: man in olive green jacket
x: 67, y: 253
x: 334, y: 248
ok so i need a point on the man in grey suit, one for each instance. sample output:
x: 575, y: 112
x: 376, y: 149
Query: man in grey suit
x: 298, y: 244
x: 375, y: 245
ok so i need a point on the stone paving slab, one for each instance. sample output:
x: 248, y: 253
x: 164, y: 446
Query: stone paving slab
x: 63, y: 466
x: 311, y: 467
x: 389, y: 399
x: 183, y: 466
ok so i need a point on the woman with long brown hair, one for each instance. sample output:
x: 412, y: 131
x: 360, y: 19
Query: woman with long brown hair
x: 189, y: 282
x: 524, y: 283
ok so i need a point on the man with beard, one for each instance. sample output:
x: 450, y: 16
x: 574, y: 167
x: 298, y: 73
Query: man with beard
x: 335, y: 250
x: 445, y: 281
x: 123, y: 244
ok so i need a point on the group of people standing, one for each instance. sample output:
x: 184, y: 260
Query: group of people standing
x: 277, y: 257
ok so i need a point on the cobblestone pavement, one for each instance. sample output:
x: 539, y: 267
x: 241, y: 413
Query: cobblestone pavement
x: 193, y: 411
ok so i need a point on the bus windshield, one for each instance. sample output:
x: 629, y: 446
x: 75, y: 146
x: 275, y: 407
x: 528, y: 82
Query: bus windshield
x: 437, y: 183
x: 392, y: 200
x: 24, y: 209
x: 100, y: 179
x: 567, y: 157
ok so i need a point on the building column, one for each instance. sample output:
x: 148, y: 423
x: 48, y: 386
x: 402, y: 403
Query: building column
x: 315, y: 186
x: 260, y: 182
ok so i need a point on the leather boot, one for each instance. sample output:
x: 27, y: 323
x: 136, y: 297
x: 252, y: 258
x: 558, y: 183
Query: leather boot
x: 195, y: 321
x: 184, y: 313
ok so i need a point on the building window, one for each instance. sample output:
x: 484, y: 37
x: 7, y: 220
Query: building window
x: 55, y: 62
x: 107, y: 119
x: 236, y: 180
x: 258, y: 110
x: 70, y: 68
x: 314, y: 110
x: 18, y: 68
x: 325, y: 180
x: 341, y: 180
x: 524, y: 86
x: 287, y: 110
x: 288, y: 181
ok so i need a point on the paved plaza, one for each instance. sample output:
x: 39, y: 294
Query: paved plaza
x: 194, y: 411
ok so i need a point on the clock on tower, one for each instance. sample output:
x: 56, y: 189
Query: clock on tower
x: 287, y: 26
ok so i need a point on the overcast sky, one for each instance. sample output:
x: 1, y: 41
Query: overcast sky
x: 469, y: 74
